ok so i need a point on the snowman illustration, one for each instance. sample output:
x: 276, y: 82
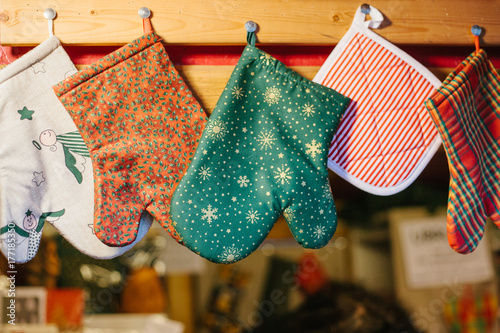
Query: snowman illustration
x: 74, y: 149
x: 32, y: 229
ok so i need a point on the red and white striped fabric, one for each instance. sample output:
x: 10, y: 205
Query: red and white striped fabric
x: 386, y: 137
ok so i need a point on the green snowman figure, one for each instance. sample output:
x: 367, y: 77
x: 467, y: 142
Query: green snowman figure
x: 32, y: 229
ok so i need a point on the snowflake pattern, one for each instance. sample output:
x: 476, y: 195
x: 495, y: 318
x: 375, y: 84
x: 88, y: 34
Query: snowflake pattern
x: 229, y: 255
x: 319, y: 231
x: 313, y: 148
x: 289, y: 214
x: 253, y: 216
x: 205, y: 173
x: 327, y: 191
x: 262, y: 163
x: 209, y: 214
x: 217, y: 130
x: 237, y: 92
x: 267, y: 59
x: 308, y: 110
x: 266, y: 139
x: 283, y: 174
x: 243, y: 181
x: 272, y: 95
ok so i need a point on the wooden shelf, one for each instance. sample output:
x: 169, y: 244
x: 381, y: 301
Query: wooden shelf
x: 222, y: 22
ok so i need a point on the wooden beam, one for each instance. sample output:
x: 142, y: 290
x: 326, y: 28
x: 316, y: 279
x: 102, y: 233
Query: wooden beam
x: 222, y: 21
x: 208, y: 82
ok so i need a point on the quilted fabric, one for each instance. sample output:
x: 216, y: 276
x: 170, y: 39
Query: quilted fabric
x: 466, y: 111
x: 142, y: 125
x: 262, y: 154
x: 386, y: 137
x: 45, y: 169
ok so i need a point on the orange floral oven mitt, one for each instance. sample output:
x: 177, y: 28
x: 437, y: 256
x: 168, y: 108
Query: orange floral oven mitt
x: 141, y: 124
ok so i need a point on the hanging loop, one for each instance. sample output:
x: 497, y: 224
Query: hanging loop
x: 50, y: 14
x: 251, y: 27
x: 376, y: 17
x: 476, y: 31
x: 145, y: 14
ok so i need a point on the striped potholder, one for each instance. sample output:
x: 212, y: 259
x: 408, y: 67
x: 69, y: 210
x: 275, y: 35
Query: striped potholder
x: 466, y: 110
x: 386, y: 138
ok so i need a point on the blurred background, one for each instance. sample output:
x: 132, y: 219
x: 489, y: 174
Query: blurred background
x: 393, y: 249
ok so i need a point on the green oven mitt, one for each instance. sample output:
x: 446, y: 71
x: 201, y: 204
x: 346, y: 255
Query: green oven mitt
x: 262, y: 154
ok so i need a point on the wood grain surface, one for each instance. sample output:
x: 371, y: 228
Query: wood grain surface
x: 208, y: 82
x: 116, y: 22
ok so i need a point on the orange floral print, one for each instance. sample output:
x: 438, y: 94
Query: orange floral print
x: 141, y: 125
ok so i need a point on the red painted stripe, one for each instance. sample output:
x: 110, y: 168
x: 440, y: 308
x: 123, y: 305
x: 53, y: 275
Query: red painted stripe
x: 296, y: 55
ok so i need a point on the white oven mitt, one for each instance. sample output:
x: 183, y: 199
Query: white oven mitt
x: 45, y: 169
x: 386, y: 137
